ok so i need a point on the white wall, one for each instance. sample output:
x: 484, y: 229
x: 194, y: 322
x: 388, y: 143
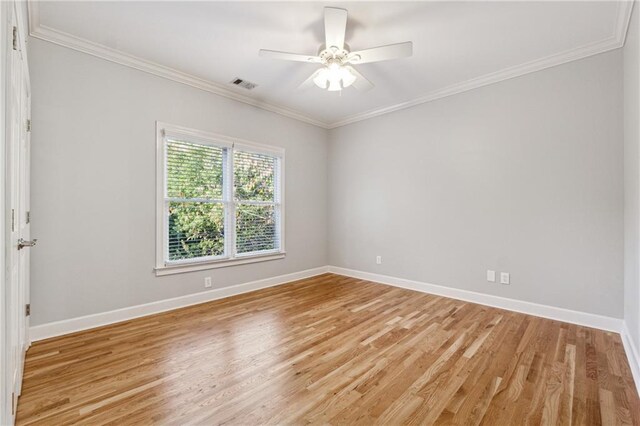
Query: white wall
x: 632, y: 179
x: 524, y: 176
x: 93, y: 183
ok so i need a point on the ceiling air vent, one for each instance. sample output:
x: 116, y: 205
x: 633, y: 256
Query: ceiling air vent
x: 244, y: 83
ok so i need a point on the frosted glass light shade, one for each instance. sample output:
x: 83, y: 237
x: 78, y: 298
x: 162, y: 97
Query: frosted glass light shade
x: 334, y: 78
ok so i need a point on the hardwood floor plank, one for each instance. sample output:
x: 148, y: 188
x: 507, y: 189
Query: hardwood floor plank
x: 331, y: 350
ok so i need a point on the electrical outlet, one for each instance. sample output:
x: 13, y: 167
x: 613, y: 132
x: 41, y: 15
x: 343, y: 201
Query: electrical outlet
x: 504, y: 278
x: 207, y: 282
x: 491, y: 276
x: 378, y: 260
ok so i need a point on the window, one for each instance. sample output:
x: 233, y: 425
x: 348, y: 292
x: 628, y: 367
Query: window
x: 220, y: 201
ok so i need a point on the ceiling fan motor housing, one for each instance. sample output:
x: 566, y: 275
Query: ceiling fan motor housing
x: 333, y: 53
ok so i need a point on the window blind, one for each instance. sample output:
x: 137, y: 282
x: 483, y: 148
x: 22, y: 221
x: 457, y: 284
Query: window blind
x: 221, y: 201
x: 256, y: 185
x: 194, y: 203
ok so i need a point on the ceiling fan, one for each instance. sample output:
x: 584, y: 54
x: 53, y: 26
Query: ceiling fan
x: 336, y: 58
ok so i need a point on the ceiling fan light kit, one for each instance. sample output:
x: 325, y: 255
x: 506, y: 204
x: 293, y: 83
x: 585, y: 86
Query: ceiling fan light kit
x: 337, y: 73
x: 334, y: 77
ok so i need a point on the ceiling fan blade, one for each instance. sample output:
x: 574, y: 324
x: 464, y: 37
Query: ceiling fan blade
x: 382, y: 53
x: 335, y: 25
x: 308, y: 83
x: 361, y: 83
x: 274, y: 54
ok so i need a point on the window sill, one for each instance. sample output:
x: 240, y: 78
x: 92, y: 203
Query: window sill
x: 213, y: 264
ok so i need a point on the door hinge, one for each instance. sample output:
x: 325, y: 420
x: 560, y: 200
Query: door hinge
x: 13, y: 220
x: 15, y: 38
x: 28, y: 217
x: 28, y: 125
x: 27, y: 309
x: 13, y: 403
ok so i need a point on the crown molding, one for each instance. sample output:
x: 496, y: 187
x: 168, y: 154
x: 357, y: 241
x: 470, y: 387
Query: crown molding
x: 615, y: 41
x: 623, y: 20
x: 42, y: 32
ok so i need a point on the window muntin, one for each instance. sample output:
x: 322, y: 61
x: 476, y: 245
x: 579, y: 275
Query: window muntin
x: 222, y: 200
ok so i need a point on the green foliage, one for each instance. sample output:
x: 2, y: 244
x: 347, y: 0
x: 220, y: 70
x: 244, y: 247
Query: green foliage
x: 196, y: 229
x: 194, y: 171
x: 254, y: 181
x: 253, y: 176
x: 255, y: 228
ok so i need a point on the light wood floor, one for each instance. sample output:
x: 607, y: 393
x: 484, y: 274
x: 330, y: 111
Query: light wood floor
x: 332, y: 350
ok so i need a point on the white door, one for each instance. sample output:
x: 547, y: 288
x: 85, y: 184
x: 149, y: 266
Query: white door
x: 24, y: 217
x: 17, y: 201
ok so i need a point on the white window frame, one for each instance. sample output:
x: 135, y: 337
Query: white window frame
x: 165, y: 267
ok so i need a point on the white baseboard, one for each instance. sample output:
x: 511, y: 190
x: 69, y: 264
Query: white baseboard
x: 59, y: 328
x: 632, y: 355
x: 545, y: 311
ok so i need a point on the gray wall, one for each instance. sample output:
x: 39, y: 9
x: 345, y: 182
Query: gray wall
x: 632, y: 178
x: 93, y: 183
x: 524, y: 176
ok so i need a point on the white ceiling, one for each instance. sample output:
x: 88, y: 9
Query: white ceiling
x: 457, y: 45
